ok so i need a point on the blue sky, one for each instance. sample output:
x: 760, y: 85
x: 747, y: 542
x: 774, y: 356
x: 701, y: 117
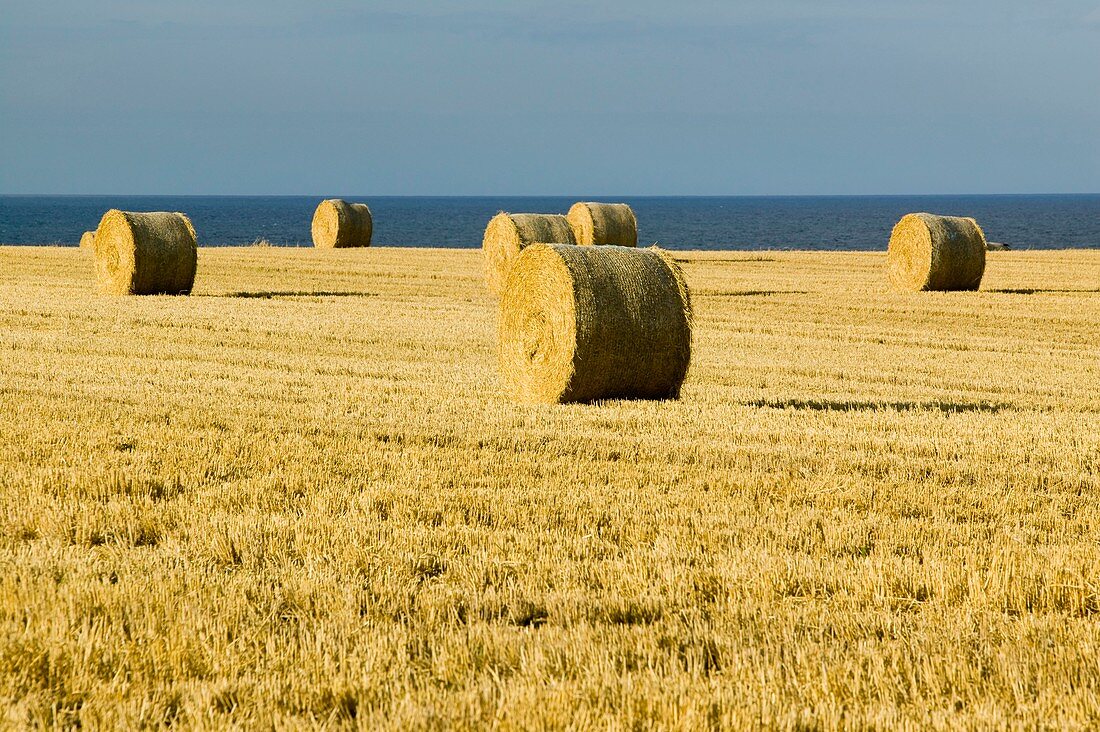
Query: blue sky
x: 528, y: 97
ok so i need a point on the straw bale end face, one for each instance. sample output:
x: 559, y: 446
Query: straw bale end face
x: 338, y: 224
x: 145, y: 253
x: 87, y: 240
x: 507, y: 234
x: 604, y: 223
x: 578, y: 324
x: 930, y: 252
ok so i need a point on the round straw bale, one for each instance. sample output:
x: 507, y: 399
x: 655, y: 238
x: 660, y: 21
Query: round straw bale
x: 338, y: 224
x: 87, y: 240
x: 508, y: 233
x: 145, y: 253
x: 584, y: 323
x: 930, y: 252
x: 604, y: 223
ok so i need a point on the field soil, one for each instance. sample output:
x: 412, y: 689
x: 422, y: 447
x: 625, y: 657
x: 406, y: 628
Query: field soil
x: 300, y: 497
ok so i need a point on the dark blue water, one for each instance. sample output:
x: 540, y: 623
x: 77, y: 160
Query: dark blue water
x: 779, y: 222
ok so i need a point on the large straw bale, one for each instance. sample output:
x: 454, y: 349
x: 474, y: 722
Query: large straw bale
x: 87, y: 240
x: 930, y: 252
x: 338, y: 224
x: 508, y: 233
x: 145, y: 253
x: 584, y: 323
x: 604, y: 223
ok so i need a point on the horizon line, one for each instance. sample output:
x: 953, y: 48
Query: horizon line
x: 584, y: 196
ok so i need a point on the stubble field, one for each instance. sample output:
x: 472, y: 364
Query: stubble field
x: 300, y: 498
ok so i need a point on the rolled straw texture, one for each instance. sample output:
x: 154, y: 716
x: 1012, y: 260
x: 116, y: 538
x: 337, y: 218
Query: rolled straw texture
x: 604, y: 223
x: 579, y: 324
x: 339, y: 224
x: 930, y: 252
x: 507, y: 234
x: 145, y: 253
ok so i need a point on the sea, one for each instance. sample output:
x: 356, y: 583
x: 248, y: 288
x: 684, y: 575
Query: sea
x: 841, y: 223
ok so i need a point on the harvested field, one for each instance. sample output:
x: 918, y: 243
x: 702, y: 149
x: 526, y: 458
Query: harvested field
x: 301, y: 497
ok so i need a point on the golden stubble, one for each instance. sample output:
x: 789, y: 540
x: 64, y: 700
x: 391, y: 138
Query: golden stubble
x: 302, y: 497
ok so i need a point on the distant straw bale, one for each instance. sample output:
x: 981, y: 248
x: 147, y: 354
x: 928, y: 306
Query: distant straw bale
x: 87, y: 240
x: 930, y: 252
x: 604, y: 223
x: 338, y: 224
x: 584, y: 323
x: 507, y: 234
x: 145, y: 253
